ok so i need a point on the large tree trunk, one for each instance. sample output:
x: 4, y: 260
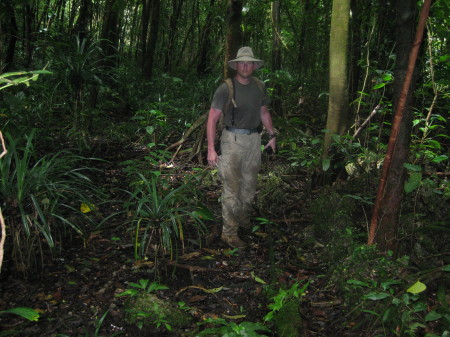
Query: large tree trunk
x: 111, y: 32
x: 385, y: 218
x: 172, y: 34
x: 82, y: 24
x: 234, y: 34
x: 338, y: 100
x: 145, y: 23
x: 152, y: 39
x: 29, y: 33
x: 12, y: 32
x: 203, y: 65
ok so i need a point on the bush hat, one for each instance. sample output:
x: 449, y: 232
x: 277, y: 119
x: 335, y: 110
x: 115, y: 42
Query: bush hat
x: 245, y: 54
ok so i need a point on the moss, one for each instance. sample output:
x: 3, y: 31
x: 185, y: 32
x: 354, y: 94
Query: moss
x: 147, y: 309
x: 331, y: 212
x: 288, y: 321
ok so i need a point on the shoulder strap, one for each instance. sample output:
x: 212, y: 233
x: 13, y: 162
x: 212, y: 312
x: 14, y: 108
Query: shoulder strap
x: 231, y: 103
x: 260, y: 84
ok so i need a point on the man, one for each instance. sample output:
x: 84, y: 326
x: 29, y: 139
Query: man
x: 240, y: 159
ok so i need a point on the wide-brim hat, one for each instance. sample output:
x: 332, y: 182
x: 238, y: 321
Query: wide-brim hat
x: 245, y: 54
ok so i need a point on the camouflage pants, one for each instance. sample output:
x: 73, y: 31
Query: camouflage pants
x: 238, y: 169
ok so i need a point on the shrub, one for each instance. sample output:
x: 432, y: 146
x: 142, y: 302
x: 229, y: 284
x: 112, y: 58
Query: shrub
x: 41, y: 198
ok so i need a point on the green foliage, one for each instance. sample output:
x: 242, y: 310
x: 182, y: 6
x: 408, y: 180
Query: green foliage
x: 429, y: 140
x: 163, y: 213
x: 232, y: 329
x: 20, y: 77
x: 143, y: 285
x: 283, y: 297
x: 27, y: 313
x: 381, y: 286
x: 143, y: 307
x: 304, y: 151
x: 41, y: 197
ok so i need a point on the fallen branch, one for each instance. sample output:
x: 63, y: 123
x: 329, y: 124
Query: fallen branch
x: 2, y: 220
x: 199, y: 122
x: 2, y: 240
x: 192, y: 268
x: 4, y: 150
x: 373, y: 113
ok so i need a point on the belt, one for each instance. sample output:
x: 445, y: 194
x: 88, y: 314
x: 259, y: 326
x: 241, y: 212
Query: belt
x: 241, y: 131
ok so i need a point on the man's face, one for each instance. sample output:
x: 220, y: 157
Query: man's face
x: 245, y: 69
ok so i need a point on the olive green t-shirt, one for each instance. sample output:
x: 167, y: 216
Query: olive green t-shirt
x: 249, y: 100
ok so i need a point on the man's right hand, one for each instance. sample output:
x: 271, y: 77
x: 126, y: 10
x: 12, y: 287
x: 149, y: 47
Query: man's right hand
x: 213, y: 158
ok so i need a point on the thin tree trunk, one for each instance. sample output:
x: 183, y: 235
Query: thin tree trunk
x: 276, y: 54
x: 385, y: 222
x: 338, y: 100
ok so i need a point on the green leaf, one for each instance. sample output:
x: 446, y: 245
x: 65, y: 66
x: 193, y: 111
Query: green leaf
x: 417, y: 288
x: 150, y: 130
x: 387, y: 77
x: 433, y: 144
x: 257, y: 279
x: 412, y: 167
x: 446, y: 268
x: 413, y: 182
x: 358, y: 283
x: 127, y: 292
x: 387, y: 315
x: 386, y: 285
x: 378, y: 86
x: 439, y: 159
x: 28, y: 313
x: 41, y: 72
x: 371, y: 312
x: 376, y: 296
x: 432, y: 316
x: 325, y: 164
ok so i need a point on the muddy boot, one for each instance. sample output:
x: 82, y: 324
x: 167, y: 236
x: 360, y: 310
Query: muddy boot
x: 233, y: 241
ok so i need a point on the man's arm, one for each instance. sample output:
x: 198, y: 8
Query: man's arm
x: 266, y: 119
x: 211, y: 125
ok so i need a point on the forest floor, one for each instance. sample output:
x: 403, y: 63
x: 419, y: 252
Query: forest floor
x: 79, y: 286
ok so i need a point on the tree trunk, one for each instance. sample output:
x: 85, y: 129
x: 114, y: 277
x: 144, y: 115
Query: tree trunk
x: 12, y: 38
x: 146, y: 12
x: 355, y: 48
x: 338, y: 100
x: 29, y: 33
x: 111, y: 32
x: 276, y: 54
x: 152, y: 39
x: 204, y: 66
x: 172, y: 34
x: 82, y: 24
x: 234, y: 34
x: 385, y: 218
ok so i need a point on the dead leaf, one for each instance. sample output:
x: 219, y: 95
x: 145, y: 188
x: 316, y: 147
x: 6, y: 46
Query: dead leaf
x: 191, y: 256
x: 197, y: 298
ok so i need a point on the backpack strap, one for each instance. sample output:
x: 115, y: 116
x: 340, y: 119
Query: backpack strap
x: 231, y: 103
x: 259, y: 84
